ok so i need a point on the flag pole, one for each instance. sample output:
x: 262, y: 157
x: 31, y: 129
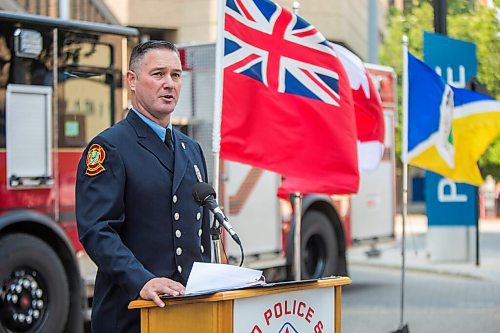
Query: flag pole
x: 403, y: 328
x: 297, y: 209
x: 297, y: 212
x: 219, y: 53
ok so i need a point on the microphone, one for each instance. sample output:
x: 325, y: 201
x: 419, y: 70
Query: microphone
x: 205, y: 195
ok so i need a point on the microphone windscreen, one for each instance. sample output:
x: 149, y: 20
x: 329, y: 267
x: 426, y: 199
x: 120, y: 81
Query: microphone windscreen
x: 201, y: 191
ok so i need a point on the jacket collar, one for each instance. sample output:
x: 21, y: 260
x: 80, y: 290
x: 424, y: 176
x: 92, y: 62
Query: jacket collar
x: 148, y: 139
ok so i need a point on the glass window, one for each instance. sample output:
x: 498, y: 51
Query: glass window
x: 87, y: 54
x: 86, y: 82
x: 85, y: 110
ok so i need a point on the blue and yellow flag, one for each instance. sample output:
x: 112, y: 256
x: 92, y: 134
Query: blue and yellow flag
x: 448, y: 129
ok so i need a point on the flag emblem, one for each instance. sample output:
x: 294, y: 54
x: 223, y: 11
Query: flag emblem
x: 278, y: 50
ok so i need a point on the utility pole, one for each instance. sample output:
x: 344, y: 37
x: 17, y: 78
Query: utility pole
x: 373, y: 39
x: 440, y: 9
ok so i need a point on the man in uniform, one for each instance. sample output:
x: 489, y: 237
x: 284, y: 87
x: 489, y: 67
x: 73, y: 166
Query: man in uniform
x: 136, y: 215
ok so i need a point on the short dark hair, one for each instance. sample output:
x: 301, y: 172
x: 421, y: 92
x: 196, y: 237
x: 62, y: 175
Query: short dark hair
x: 141, y: 49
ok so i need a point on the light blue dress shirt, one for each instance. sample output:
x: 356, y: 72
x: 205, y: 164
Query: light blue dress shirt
x: 159, y: 130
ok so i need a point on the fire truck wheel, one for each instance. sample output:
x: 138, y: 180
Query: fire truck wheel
x: 34, y: 294
x: 320, y: 254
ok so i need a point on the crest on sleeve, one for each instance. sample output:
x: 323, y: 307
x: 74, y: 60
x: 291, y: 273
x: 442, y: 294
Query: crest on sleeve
x: 95, y: 157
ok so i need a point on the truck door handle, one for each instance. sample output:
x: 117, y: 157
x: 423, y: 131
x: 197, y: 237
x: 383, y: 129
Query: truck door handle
x: 15, y: 181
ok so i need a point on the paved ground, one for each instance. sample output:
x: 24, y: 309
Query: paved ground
x: 440, y: 296
x: 417, y: 258
x: 434, y: 303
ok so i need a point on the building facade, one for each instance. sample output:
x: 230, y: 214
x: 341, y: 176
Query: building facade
x: 85, y: 10
x: 195, y: 21
x: 351, y: 23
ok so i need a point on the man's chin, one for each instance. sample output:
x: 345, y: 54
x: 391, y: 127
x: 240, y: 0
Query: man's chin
x: 167, y: 109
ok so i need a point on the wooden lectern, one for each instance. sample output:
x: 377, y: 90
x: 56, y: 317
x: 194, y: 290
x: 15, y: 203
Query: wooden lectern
x: 313, y: 306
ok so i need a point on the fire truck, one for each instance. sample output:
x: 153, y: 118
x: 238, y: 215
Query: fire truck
x: 60, y: 85
x: 266, y: 224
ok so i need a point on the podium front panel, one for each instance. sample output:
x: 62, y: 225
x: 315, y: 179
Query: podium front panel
x: 309, y: 310
x: 211, y: 317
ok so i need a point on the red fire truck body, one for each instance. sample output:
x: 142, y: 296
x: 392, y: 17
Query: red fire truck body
x: 60, y: 85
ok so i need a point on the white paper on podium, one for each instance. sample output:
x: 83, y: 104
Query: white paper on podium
x: 209, y: 277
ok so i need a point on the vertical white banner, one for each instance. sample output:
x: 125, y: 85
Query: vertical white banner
x: 219, y: 77
x: 309, y: 310
x: 219, y: 55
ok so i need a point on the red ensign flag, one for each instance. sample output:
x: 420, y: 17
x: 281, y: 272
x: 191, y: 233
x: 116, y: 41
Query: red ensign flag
x: 286, y: 100
x: 369, y: 125
x: 368, y: 110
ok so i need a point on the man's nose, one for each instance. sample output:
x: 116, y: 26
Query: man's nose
x: 168, y: 82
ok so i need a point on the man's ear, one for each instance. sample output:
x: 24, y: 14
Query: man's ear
x: 131, y: 79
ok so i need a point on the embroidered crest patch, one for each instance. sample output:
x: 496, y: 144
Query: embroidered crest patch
x: 95, y: 157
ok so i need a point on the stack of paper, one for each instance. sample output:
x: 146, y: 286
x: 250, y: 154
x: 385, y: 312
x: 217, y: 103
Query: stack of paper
x: 209, y: 278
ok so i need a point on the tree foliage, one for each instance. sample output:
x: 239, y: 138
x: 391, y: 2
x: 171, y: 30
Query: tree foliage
x: 466, y: 21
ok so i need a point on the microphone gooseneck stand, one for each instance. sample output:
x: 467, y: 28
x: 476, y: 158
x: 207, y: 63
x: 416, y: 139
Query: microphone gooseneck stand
x: 215, y: 232
x: 205, y: 195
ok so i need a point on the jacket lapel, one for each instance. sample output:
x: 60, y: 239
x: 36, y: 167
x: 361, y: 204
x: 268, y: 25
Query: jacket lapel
x: 181, y: 161
x: 149, y: 140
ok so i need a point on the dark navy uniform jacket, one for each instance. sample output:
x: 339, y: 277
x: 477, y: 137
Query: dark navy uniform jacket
x: 136, y: 215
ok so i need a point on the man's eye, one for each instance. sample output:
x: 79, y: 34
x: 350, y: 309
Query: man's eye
x: 157, y: 74
x: 176, y: 75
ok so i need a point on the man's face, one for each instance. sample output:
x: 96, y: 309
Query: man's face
x: 156, y: 84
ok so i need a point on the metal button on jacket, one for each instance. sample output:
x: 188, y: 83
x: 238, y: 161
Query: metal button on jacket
x: 178, y: 233
x: 200, y: 232
x: 178, y: 251
x: 174, y: 198
x: 198, y: 215
x: 176, y: 216
x: 179, y: 268
x: 202, y: 249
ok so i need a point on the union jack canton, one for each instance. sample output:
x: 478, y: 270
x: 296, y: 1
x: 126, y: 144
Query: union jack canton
x: 280, y: 50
